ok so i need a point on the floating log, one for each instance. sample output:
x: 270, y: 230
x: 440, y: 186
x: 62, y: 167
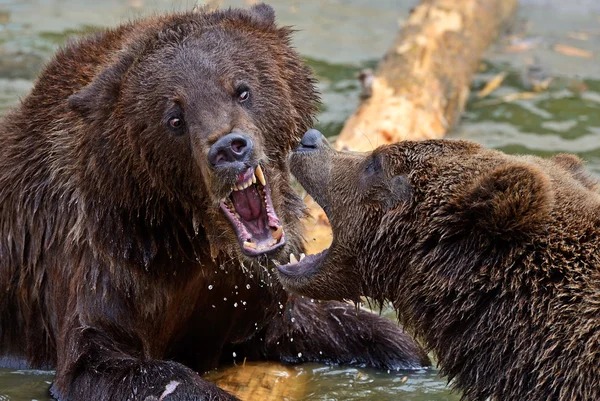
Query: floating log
x: 422, y: 84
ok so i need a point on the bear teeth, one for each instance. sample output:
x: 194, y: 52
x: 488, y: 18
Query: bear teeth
x: 293, y: 258
x: 257, y: 175
x: 243, y: 185
x: 249, y: 244
x: 260, y: 175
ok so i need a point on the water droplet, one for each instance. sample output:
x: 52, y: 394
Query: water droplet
x: 280, y: 306
x: 293, y: 319
x: 235, y: 305
x: 224, y: 299
x: 214, y: 306
x: 243, y: 302
x: 235, y: 288
x: 320, y: 352
x: 291, y: 340
x: 234, y: 354
x: 299, y: 354
x: 210, y: 287
x: 248, y: 286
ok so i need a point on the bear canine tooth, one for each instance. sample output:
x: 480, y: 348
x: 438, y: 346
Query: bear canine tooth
x: 260, y: 175
x: 302, y: 256
x: 293, y: 258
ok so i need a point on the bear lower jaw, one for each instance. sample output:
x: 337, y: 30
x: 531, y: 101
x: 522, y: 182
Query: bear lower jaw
x: 249, y: 209
x: 305, y: 268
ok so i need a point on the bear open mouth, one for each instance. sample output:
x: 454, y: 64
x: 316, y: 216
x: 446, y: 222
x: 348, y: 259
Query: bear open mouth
x: 250, y: 210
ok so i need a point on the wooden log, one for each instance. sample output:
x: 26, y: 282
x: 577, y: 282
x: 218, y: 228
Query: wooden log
x: 422, y: 84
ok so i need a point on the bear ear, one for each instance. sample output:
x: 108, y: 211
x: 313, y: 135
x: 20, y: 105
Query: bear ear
x: 97, y: 98
x: 512, y: 200
x: 576, y: 167
x: 263, y: 13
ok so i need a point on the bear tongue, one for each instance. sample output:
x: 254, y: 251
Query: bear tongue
x: 247, y: 203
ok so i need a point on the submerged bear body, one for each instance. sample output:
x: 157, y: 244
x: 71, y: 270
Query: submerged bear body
x: 144, y: 196
x: 491, y: 259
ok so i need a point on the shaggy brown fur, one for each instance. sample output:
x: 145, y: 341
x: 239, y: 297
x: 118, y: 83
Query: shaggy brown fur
x: 492, y: 259
x: 114, y: 253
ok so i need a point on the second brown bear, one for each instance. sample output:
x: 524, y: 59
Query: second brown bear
x: 492, y: 259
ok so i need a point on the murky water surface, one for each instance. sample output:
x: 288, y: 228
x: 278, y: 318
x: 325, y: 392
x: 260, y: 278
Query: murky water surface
x: 554, y: 43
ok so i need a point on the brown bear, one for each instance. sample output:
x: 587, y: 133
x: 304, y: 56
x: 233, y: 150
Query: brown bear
x: 491, y: 259
x: 144, y: 199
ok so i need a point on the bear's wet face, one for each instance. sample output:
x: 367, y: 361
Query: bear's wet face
x: 356, y: 190
x: 386, y: 206
x: 205, y: 123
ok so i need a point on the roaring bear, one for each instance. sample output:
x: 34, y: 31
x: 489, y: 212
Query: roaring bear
x: 491, y: 259
x: 144, y: 201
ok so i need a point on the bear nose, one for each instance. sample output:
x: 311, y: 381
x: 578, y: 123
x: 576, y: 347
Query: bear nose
x: 311, y: 140
x: 232, y: 148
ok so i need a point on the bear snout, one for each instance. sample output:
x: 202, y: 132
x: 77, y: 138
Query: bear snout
x: 312, y: 140
x: 231, y: 151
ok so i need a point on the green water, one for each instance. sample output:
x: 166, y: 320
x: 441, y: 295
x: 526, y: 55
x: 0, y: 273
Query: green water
x: 338, y: 38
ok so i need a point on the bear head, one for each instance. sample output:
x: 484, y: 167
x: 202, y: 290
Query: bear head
x: 195, y: 115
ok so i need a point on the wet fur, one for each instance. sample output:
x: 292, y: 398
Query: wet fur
x: 493, y: 260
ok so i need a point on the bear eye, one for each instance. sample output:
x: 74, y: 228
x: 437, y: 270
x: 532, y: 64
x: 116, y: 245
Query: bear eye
x: 371, y: 172
x: 176, y: 123
x: 373, y: 166
x: 243, y: 96
x: 242, y: 93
